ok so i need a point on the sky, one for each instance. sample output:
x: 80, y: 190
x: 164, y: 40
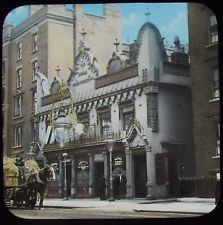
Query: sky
x: 170, y: 18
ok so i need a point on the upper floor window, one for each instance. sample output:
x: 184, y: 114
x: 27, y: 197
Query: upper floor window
x: 19, y: 78
x: 105, y: 123
x: 34, y: 101
x: 18, y: 105
x: 83, y: 118
x: 19, y: 50
x: 34, y: 69
x: 18, y: 136
x: 215, y: 83
x: 213, y: 29
x: 33, y: 131
x: 217, y: 125
x: 34, y: 42
x: 127, y: 116
x: 3, y: 67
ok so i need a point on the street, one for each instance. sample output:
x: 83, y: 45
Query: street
x: 91, y: 213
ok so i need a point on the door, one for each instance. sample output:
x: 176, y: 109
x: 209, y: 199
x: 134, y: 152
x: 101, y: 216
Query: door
x: 98, y: 174
x: 173, y: 175
x: 140, y: 175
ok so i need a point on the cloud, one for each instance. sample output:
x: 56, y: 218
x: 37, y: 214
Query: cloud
x: 176, y: 26
x: 176, y: 22
x: 133, y: 19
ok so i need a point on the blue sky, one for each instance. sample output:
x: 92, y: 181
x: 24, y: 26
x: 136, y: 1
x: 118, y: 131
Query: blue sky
x: 170, y: 18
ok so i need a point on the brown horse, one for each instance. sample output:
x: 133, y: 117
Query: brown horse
x: 37, y: 183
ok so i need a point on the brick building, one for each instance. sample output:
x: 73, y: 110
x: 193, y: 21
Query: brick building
x: 204, y: 72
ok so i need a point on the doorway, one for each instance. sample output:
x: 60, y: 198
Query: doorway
x: 98, y: 173
x: 140, y: 175
x: 173, y: 175
x: 68, y: 178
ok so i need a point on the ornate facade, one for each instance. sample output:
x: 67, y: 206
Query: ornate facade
x: 142, y: 103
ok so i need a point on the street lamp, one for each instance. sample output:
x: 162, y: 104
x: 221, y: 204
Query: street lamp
x: 65, y: 155
x: 110, y: 143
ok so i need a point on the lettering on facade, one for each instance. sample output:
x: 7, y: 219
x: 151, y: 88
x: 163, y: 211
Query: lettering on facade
x: 83, y: 165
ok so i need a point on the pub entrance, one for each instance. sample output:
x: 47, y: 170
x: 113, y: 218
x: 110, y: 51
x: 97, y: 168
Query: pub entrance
x: 98, y: 173
x: 140, y: 174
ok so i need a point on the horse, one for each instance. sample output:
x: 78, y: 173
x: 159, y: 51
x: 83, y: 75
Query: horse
x: 37, y: 183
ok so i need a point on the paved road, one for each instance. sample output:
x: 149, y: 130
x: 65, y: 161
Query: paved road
x: 91, y: 213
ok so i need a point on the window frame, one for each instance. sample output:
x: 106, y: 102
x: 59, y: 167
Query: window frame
x: 18, y: 105
x: 34, y: 42
x: 215, y: 82
x: 18, y: 136
x: 213, y: 29
x: 125, y: 111
x: 34, y: 69
x: 19, y: 78
x: 19, y: 50
x: 217, y: 142
x: 105, y: 117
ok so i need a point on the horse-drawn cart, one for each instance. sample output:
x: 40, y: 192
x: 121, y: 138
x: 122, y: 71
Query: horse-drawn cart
x: 15, y: 172
x: 24, y: 180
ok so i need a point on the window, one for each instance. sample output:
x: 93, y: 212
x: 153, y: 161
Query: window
x: 33, y: 131
x: 34, y: 101
x: 127, y: 115
x: 217, y: 128
x: 34, y: 69
x: 83, y: 118
x: 3, y: 67
x: 19, y: 50
x: 213, y: 29
x: 34, y: 41
x: 105, y: 123
x: 18, y: 136
x: 215, y: 84
x: 152, y: 111
x: 19, y: 78
x: 18, y: 105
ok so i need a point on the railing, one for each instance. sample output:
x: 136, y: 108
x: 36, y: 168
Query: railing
x: 85, y: 139
x: 197, y: 186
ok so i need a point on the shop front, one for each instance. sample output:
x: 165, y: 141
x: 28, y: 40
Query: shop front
x: 78, y: 174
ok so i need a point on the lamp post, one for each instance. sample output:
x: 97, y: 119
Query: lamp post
x: 110, y: 143
x: 65, y: 176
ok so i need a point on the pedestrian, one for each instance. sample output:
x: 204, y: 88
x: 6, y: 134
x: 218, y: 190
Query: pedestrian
x: 121, y: 185
x: 101, y: 188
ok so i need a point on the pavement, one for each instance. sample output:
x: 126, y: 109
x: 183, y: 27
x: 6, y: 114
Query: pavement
x: 177, y: 205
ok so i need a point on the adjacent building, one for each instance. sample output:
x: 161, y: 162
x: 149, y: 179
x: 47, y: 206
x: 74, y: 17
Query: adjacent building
x: 44, y: 40
x: 204, y: 72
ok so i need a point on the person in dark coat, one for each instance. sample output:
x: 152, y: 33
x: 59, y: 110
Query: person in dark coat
x: 101, y: 188
x: 121, y: 185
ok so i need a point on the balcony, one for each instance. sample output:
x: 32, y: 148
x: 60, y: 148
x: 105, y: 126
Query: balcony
x: 84, y: 140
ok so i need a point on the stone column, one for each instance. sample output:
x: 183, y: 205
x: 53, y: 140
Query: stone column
x: 129, y: 185
x: 150, y: 167
x: 91, y: 174
x: 106, y: 171
x: 73, y: 177
x: 60, y: 178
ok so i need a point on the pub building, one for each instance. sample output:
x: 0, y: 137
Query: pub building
x: 135, y: 118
